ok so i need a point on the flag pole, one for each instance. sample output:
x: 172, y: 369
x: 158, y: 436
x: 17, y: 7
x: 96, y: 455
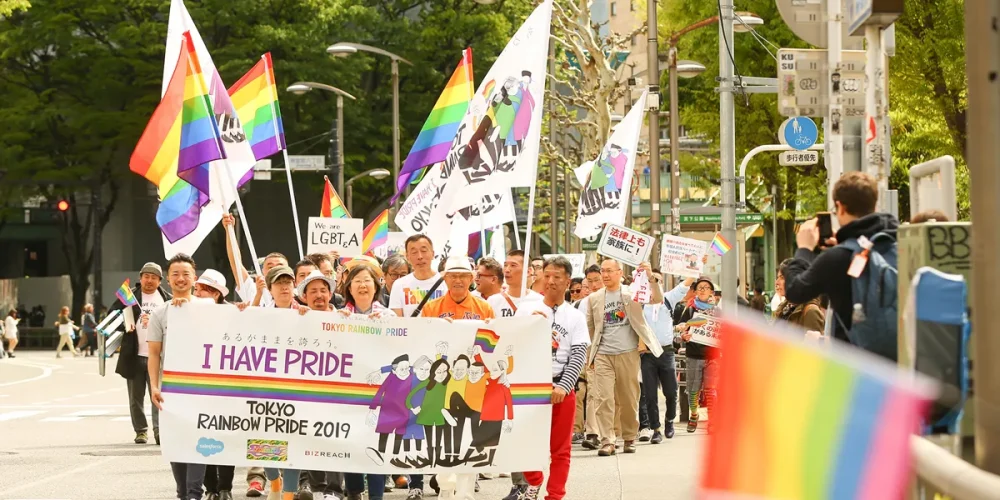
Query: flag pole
x: 517, y: 234
x: 527, y: 240
x: 243, y: 219
x: 482, y: 229
x: 284, y: 150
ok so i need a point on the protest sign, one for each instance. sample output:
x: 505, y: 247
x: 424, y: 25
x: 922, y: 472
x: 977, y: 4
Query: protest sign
x: 641, y: 288
x: 626, y: 245
x: 270, y: 387
x: 577, y: 259
x: 394, y: 246
x: 704, y: 329
x: 682, y: 256
x: 335, y: 235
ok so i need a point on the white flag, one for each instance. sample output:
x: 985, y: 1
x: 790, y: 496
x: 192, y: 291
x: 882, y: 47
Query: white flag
x: 496, y: 146
x: 606, y: 192
x: 240, y: 156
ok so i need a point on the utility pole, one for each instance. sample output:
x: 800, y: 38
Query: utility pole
x: 874, y: 126
x: 675, y: 147
x: 727, y: 153
x: 833, y: 137
x: 653, y: 101
x: 553, y: 181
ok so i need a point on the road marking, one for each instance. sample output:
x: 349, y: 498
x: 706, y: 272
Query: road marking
x: 48, y: 478
x: 89, y: 413
x: 46, y: 372
x: 13, y: 415
x: 61, y: 419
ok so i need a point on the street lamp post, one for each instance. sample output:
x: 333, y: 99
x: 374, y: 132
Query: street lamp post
x: 299, y: 88
x: 343, y: 49
x: 375, y: 173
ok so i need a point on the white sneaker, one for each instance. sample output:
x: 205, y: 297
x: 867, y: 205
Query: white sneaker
x: 645, y: 435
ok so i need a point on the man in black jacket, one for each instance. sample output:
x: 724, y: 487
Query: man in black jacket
x: 134, y: 354
x: 855, y: 196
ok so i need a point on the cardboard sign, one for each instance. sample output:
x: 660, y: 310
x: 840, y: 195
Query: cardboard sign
x: 335, y: 235
x: 682, y: 256
x: 705, y: 329
x: 626, y: 245
x: 577, y: 259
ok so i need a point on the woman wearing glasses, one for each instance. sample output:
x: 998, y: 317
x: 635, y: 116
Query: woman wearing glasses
x: 702, y: 360
x: 394, y: 267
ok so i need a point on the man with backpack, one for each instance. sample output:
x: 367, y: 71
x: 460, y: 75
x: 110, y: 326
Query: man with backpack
x: 856, y: 269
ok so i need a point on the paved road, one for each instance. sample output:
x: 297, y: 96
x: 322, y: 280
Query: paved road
x: 65, y: 434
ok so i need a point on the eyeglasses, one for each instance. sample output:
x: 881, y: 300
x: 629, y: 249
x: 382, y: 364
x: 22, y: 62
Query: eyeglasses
x: 576, y: 290
x: 396, y: 276
x: 705, y: 289
x: 485, y: 276
x: 609, y: 271
x: 367, y: 281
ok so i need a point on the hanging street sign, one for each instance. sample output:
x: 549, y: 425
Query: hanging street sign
x: 803, y: 82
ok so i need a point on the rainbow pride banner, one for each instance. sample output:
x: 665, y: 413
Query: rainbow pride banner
x: 321, y: 391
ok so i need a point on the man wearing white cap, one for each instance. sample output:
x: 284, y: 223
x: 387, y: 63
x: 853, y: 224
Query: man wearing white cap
x: 458, y: 303
x: 211, y: 285
x: 316, y: 290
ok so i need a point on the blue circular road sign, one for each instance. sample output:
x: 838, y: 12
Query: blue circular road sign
x: 799, y: 132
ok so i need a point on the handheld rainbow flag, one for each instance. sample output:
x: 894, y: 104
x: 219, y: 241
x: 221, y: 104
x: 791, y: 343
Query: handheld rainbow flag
x: 848, y: 435
x: 376, y: 234
x: 487, y: 340
x: 435, y: 138
x: 256, y: 101
x: 125, y: 294
x: 332, y: 206
x: 179, y: 141
x: 719, y: 245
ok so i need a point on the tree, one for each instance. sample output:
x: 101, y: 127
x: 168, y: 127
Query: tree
x: 8, y: 7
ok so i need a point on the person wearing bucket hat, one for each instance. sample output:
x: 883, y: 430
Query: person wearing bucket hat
x: 211, y: 285
x: 316, y: 290
x: 702, y: 360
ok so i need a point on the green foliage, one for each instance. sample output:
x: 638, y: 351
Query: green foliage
x: 8, y: 7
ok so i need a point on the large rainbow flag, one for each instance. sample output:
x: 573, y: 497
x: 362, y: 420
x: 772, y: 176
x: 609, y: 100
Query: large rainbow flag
x: 176, y: 146
x: 256, y: 101
x: 376, y: 233
x: 332, y: 206
x: 796, y: 420
x: 435, y: 138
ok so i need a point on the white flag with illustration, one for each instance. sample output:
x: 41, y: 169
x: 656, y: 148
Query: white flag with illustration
x: 496, y: 146
x: 605, y: 197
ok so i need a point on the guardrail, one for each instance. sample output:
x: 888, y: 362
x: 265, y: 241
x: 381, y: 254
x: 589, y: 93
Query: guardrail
x: 942, y: 474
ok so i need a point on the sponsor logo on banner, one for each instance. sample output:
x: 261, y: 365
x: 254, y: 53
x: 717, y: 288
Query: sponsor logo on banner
x: 267, y: 449
x: 208, y: 447
x: 340, y: 455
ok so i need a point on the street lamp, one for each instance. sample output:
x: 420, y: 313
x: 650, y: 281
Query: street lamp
x: 299, y: 88
x: 344, y: 49
x: 375, y: 173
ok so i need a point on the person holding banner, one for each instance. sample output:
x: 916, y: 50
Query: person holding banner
x: 620, y: 335
x: 570, y: 340
x: 393, y: 268
x: 702, y: 360
x: 505, y: 304
x: 414, y: 290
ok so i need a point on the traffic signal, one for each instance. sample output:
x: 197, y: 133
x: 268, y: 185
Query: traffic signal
x: 62, y: 205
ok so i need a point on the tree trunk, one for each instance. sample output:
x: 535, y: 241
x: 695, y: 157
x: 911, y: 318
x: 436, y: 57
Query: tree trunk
x: 787, y: 201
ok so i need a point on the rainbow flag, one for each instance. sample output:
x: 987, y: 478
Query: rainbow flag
x: 376, y: 234
x: 844, y: 433
x: 435, y: 138
x: 719, y: 245
x: 125, y: 295
x: 487, y: 340
x: 179, y: 141
x: 256, y: 101
x: 332, y: 206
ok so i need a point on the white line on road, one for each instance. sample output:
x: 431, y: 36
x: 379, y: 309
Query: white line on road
x: 49, y: 478
x: 61, y: 419
x: 46, y: 372
x: 12, y: 415
x: 90, y: 413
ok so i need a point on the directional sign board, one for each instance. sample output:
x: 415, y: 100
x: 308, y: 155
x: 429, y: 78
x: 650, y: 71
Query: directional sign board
x: 307, y: 162
x: 789, y: 158
x: 799, y: 132
x: 808, y: 20
x: 803, y: 82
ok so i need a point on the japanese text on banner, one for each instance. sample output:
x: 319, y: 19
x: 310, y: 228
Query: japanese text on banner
x: 682, y: 256
x: 626, y: 245
x: 705, y: 329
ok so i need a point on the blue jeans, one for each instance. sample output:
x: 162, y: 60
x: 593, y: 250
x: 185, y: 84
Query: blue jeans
x: 355, y: 484
x: 289, y: 481
x: 659, y: 372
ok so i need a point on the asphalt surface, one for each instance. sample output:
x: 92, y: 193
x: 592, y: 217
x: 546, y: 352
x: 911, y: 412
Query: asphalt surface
x: 65, y: 433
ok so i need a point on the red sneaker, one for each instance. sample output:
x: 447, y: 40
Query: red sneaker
x: 255, y: 488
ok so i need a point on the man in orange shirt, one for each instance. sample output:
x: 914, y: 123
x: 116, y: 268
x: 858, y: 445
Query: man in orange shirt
x: 458, y: 303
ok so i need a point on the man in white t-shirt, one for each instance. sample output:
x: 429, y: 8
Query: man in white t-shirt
x: 505, y: 304
x: 134, y: 358
x: 409, y: 291
x: 252, y: 289
x: 570, y: 339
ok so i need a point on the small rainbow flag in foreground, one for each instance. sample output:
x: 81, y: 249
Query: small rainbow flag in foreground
x: 435, y: 137
x: 487, y: 340
x: 256, y: 101
x: 125, y: 295
x: 846, y: 435
x: 719, y: 245
x: 376, y: 234
x: 332, y: 206
x: 179, y: 141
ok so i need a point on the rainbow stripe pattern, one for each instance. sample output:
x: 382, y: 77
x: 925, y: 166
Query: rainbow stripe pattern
x: 256, y: 101
x: 435, y: 138
x: 332, y: 206
x: 311, y: 391
x: 719, y: 245
x: 844, y: 434
x: 179, y: 141
x: 487, y: 340
x: 376, y: 233
x: 125, y: 294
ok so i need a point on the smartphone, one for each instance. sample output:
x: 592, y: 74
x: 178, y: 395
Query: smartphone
x: 823, y: 220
